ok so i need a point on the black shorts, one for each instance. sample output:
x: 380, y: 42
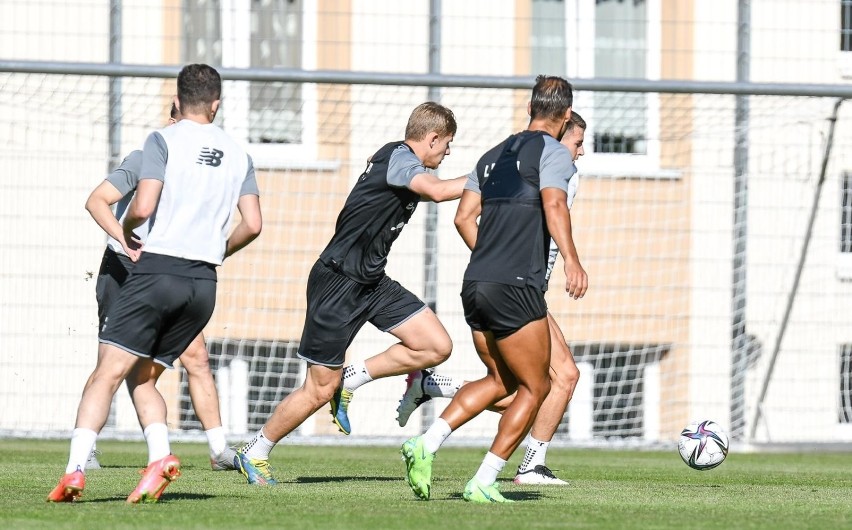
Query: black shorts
x: 499, y: 308
x: 158, y: 315
x: 115, y: 268
x: 338, y: 307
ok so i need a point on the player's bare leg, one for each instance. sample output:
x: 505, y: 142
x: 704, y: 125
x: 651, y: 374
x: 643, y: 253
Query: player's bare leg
x: 526, y: 353
x: 205, y: 401
x: 475, y: 396
x: 318, y: 388
x: 563, y: 379
x: 163, y: 467
x: 112, y: 368
x: 424, y: 342
x: 470, y: 400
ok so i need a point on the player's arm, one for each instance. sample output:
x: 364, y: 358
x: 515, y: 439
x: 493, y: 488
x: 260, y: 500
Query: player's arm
x: 558, y: 217
x: 251, y: 220
x: 150, y: 185
x: 99, y: 205
x: 249, y: 227
x: 435, y: 189
x: 143, y: 204
x: 467, y: 215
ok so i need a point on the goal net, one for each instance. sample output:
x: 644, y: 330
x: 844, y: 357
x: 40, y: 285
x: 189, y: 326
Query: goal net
x: 692, y: 256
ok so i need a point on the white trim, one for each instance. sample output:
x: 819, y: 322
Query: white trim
x: 843, y: 266
x: 844, y: 64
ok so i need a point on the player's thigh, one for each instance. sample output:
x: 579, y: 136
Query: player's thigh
x: 489, y: 353
x: 195, y: 355
x: 396, y: 310
x: 526, y: 353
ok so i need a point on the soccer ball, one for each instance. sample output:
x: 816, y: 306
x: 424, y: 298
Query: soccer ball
x: 703, y: 445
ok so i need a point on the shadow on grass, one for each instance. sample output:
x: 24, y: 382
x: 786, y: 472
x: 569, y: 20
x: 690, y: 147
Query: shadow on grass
x: 511, y: 495
x: 317, y: 480
x: 165, y: 499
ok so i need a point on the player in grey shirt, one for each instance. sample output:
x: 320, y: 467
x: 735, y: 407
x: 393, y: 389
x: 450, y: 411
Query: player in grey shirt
x: 423, y: 385
x: 523, y: 185
x: 118, y: 189
x: 171, y: 294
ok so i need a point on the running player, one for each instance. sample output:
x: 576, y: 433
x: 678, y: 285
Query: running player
x: 423, y: 385
x: 119, y: 187
x: 521, y: 186
x: 193, y: 176
x: 347, y: 286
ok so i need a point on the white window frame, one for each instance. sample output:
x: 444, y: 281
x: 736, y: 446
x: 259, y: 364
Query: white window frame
x: 236, y: 53
x: 580, y: 38
x: 844, y: 57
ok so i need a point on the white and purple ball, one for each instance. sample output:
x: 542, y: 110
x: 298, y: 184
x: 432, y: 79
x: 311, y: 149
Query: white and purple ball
x: 703, y: 445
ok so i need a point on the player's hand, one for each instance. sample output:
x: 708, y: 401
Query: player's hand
x: 132, y: 246
x: 576, y: 280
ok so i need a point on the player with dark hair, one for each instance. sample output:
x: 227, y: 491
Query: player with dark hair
x: 348, y: 287
x: 171, y: 294
x: 116, y: 265
x: 521, y: 186
x: 423, y: 385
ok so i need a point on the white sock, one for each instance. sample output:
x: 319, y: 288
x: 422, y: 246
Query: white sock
x: 355, y: 375
x: 82, y: 442
x: 259, y: 447
x: 436, y: 434
x: 491, y: 466
x: 157, y: 436
x: 535, y: 455
x: 437, y: 385
x: 216, y: 440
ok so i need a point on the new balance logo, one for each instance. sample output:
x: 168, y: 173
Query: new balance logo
x: 210, y: 156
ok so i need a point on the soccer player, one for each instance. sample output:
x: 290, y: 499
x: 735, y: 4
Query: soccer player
x: 116, y: 265
x: 423, y: 385
x: 347, y: 286
x: 193, y: 176
x: 521, y: 186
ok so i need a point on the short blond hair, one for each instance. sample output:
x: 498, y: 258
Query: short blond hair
x: 430, y: 117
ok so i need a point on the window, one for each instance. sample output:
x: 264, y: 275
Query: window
x: 845, y: 25
x: 846, y: 213
x: 621, y: 48
x: 276, y: 42
x: 547, y: 41
x: 844, y: 413
x: 617, y: 39
x: 270, y: 117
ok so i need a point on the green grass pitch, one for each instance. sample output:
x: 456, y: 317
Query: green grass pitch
x: 353, y: 487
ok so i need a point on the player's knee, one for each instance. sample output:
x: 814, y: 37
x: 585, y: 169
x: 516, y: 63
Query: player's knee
x: 195, y: 359
x: 565, y: 379
x: 320, y: 394
x: 441, y: 350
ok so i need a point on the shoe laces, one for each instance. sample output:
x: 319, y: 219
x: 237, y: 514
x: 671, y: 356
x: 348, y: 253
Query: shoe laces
x: 263, y: 467
x: 544, y: 470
